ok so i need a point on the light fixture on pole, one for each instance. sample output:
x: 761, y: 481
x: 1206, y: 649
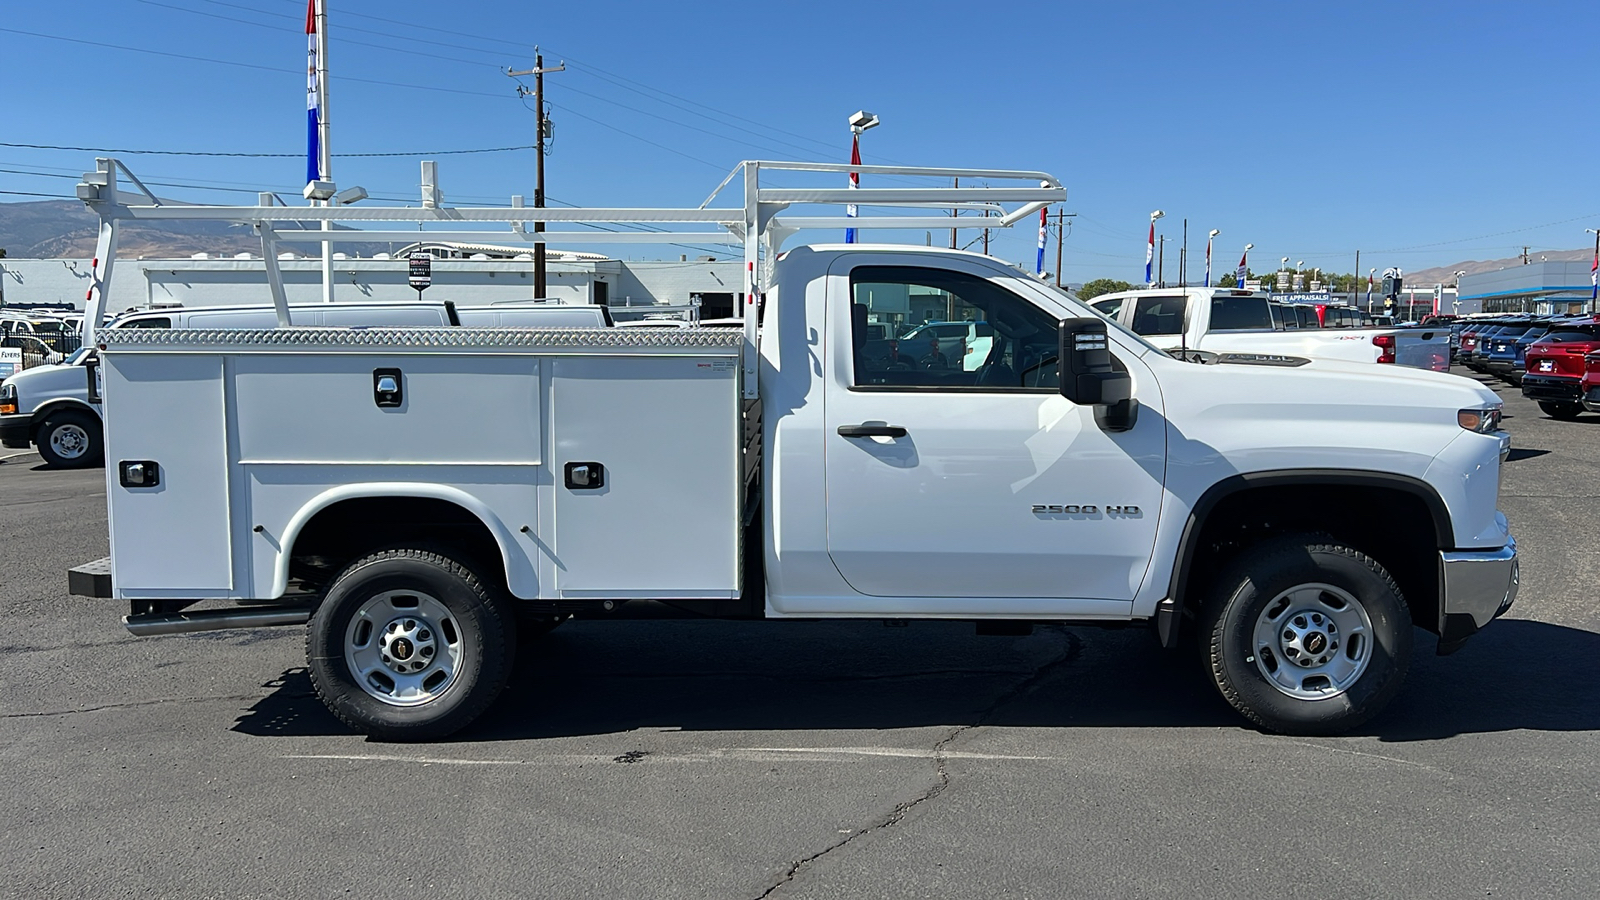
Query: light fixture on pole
x: 1209, y: 238
x: 1150, y: 250
x: 860, y: 121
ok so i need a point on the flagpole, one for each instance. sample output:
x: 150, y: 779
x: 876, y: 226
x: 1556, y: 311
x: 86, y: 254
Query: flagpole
x: 324, y: 151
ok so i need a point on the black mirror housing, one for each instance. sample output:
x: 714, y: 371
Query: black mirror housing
x: 1088, y: 377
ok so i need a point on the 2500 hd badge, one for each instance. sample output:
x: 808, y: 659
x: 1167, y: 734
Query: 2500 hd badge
x: 1043, y: 509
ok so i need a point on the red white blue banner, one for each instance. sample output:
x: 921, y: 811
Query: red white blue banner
x: 313, y: 98
x: 855, y: 182
x: 1044, y: 224
x: 1150, y: 254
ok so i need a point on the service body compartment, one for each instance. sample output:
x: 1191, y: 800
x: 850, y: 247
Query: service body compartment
x: 257, y: 432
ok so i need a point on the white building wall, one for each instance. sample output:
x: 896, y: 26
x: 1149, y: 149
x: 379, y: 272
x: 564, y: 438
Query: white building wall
x: 220, y: 282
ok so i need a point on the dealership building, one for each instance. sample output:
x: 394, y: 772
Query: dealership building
x: 1543, y: 287
x: 467, y: 274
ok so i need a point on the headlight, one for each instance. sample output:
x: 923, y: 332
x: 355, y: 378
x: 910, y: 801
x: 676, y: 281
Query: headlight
x: 8, y: 399
x: 1482, y: 421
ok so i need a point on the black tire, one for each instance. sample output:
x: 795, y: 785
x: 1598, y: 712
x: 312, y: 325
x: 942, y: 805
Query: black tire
x: 1238, y: 611
x: 1558, y: 410
x: 71, y: 439
x: 472, y: 611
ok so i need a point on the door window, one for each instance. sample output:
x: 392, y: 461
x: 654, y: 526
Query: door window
x: 977, y: 335
x: 1158, y: 315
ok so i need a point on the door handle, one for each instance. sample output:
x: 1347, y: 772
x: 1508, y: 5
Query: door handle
x: 855, y: 431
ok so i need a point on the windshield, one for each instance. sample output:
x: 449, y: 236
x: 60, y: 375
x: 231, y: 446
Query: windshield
x: 77, y: 355
x: 1136, y: 339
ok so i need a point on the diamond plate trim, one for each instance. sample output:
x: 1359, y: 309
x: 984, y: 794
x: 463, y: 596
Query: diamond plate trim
x: 539, y: 338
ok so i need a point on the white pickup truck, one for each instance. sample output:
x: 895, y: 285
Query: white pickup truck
x: 1203, y: 322
x: 418, y: 495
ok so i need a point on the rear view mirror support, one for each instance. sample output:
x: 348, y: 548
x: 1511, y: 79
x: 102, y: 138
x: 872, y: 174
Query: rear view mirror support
x: 1089, y: 375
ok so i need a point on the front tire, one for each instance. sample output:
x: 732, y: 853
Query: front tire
x: 410, y: 644
x: 1557, y: 410
x: 1306, y: 636
x: 71, y: 439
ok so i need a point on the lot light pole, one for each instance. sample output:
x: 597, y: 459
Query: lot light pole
x: 1209, y: 238
x: 860, y: 121
x: 1150, y: 250
x: 1244, y: 266
x: 1455, y: 305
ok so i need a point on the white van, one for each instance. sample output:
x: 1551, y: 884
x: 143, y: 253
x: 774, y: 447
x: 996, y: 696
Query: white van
x: 534, y: 315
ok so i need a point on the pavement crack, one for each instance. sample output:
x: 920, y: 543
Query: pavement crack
x: 135, y: 704
x: 1073, y: 647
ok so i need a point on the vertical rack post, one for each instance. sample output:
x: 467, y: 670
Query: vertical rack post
x: 753, y: 279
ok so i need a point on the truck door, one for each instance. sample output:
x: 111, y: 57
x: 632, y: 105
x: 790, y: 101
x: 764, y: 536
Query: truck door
x: 948, y: 483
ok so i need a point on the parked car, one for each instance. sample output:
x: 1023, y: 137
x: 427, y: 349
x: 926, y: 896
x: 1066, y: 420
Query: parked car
x: 971, y: 341
x: 1556, y: 368
x: 1589, y: 385
x: 1500, y: 353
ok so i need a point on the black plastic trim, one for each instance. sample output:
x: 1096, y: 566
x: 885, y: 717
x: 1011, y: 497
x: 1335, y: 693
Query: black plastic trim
x: 1188, y: 544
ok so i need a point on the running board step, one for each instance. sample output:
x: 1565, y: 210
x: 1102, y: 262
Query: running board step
x: 149, y: 624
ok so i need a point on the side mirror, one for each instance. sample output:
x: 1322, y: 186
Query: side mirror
x: 1089, y: 376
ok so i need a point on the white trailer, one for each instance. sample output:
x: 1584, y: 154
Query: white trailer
x: 420, y: 495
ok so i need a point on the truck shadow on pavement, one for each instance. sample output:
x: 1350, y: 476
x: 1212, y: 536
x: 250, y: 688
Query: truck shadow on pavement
x: 606, y: 678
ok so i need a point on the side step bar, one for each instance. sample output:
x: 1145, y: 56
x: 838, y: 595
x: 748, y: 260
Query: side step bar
x: 149, y: 624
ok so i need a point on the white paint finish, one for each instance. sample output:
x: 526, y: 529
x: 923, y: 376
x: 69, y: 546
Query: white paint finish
x: 947, y: 510
x: 667, y: 432
x: 173, y: 537
x: 282, y: 499
x: 310, y: 408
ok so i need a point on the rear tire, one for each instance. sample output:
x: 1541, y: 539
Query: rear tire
x: 1306, y: 636
x: 71, y: 439
x: 1564, y: 411
x: 410, y: 644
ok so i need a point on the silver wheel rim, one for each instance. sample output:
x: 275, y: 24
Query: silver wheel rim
x: 404, y: 648
x: 69, y: 441
x: 1312, y: 641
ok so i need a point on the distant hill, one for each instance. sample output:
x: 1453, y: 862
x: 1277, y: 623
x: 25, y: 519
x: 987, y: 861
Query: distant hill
x: 1447, y: 274
x: 65, y: 229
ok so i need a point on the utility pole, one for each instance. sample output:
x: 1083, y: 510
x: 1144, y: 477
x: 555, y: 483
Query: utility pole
x: 1161, y: 264
x: 537, y: 72
x: 953, y: 213
x: 1524, y: 255
x: 1061, y: 236
x: 1354, y: 285
x: 1183, y: 257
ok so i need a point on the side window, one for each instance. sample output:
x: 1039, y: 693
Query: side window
x: 973, y: 334
x: 1158, y: 315
x: 1109, y: 308
x: 148, y: 322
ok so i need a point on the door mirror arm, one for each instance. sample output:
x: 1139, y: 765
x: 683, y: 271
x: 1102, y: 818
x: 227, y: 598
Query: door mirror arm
x: 1089, y: 374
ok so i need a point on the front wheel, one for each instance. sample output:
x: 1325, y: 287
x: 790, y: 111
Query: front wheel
x: 1305, y: 636
x: 1558, y: 410
x: 71, y: 439
x: 410, y: 644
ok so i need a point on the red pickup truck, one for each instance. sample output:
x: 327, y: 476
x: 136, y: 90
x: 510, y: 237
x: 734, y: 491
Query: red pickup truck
x: 1556, y: 368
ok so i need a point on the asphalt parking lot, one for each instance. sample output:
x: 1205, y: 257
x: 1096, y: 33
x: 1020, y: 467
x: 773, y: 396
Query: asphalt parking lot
x: 725, y: 760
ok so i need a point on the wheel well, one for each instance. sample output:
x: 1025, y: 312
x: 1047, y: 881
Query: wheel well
x: 1394, y: 525
x: 49, y: 409
x: 351, y: 528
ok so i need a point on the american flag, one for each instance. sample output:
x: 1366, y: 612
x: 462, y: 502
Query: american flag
x: 1044, y: 224
x: 855, y: 182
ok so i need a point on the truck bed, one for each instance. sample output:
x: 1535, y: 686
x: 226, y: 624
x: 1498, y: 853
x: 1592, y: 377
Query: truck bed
x: 271, y: 435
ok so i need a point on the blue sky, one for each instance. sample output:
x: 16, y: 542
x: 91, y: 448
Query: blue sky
x: 1421, y: 133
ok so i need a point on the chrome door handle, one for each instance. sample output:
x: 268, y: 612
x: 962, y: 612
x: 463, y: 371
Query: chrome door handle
x: 855, y: 431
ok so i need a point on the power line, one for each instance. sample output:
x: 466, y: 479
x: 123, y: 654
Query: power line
x: 259, y: 155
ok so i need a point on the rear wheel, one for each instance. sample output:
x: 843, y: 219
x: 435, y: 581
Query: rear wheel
x: 410, y: 644
x: 1557, y: 410
x: 71, y: 439
x: 1306, y: 636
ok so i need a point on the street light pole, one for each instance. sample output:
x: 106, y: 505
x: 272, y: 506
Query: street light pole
x: 1150, y: 249
x: 860, y: 121
x: 1209, y: 238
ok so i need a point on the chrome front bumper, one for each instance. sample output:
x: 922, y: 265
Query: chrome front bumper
x: 1475, y: 587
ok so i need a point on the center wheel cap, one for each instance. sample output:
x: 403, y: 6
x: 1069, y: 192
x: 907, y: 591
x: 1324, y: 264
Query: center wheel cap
x: 401, y: 648
x: 407, y: 646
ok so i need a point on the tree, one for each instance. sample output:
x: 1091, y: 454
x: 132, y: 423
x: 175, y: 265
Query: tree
x: 1100, y: 286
